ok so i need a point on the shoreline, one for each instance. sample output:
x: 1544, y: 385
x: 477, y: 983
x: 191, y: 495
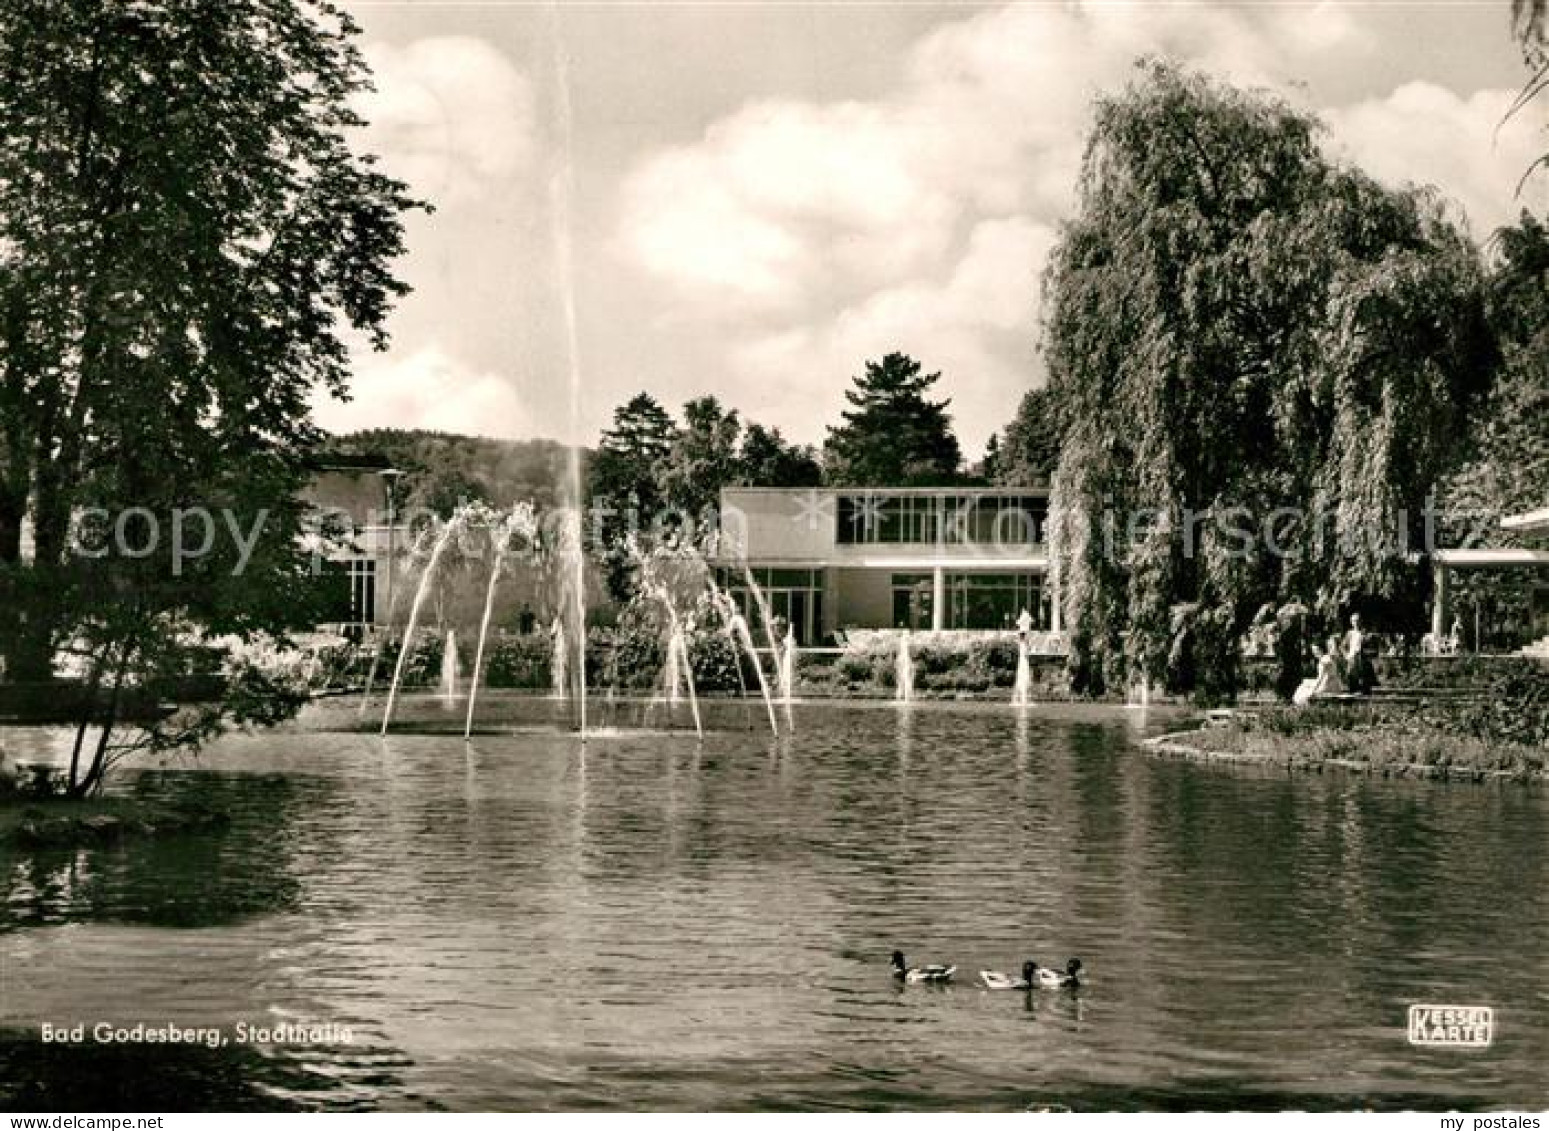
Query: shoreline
x: 1174, y: 745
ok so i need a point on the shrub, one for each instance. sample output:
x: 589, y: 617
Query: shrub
x: 956, y: 679
x: 934, y: 659
x: 1513, y: 708
x: 520, y: 661
x: 422, y: 666
x: 977, y: 665
x: 634, y: 655
x: 717, y: 663
x: 638, y: 649
x: 821, y: 677
x: 341, y: 665
x: 995, y: 660
x: 856, y: 667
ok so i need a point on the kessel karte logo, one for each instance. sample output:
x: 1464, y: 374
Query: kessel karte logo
x: 1456, y: 1026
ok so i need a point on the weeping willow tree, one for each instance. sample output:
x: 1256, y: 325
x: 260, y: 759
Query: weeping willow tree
x: 1262, y: 360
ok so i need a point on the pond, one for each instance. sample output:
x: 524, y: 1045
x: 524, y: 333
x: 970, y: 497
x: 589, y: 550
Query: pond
x: 647, y: 922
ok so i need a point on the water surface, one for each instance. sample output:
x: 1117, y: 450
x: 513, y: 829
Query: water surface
x: 647, y: 922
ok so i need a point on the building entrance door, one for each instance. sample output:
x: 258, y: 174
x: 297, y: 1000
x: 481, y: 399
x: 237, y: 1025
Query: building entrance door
x: 913, y: 601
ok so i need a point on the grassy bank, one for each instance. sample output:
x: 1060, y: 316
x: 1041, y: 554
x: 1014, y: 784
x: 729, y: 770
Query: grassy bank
x: 1488, y: 719
x: 1389, y: 748
x: 55, y: 822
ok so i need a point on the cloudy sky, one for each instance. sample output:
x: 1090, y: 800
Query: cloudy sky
x: 754, y: 198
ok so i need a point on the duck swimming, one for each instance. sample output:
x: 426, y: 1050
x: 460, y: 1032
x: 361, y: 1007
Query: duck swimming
x: 995, y: 980
x: 915, y: 974
x: 1049, y: 979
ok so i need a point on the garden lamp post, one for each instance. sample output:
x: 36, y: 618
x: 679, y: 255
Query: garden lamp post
x: 390, y: 477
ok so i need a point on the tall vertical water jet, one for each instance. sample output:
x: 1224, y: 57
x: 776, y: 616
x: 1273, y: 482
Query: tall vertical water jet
x: 1022, y: 689
x: 559, y: 664
x: 672, y: 672
x: 1139, y: 692
x: 578, y: 614
x: 904, y: 671
x: 561, y: 190
x: 787, y: 660
x: 450, y: 667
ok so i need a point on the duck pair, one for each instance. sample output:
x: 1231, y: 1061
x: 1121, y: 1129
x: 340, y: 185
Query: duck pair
x: 916, y: 974
x: 1033, y: 975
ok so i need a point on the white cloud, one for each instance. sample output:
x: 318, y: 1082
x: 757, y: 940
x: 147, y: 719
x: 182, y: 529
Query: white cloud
x: 1425, y: 134
x: 428, y: 389
x: 450, y: 115
x: 808, y: 236
x: 453, y: 117
x: 976, y: 323
x: 1327, y: 26
x: 782, y: 195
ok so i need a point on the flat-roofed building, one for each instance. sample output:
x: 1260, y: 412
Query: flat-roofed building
x: 1531, y: 527
x: 357, y: 498
x: 922, y: 558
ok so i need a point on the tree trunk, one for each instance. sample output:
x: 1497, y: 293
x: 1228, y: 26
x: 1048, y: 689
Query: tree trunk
x: 37, y: 586
x: 94, y: 776
x: 87, y: 712
x: 11, y: 512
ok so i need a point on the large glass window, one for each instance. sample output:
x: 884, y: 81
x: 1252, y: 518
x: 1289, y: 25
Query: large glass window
x: 995, y: 520
x: 350, y: 591
x: 982, y: 519
x: 363, y: 590
x: 794, y: 598
x: 993, y: 600
x: 878, y: 517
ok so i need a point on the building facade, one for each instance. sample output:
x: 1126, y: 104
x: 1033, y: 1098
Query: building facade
x: 933, y: 559
x: 1532, y: 559
x: 356, y: 503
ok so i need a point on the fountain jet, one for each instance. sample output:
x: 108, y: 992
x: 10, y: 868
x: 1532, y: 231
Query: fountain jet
x: 742, y: 639
x: 788, y: 667
x: 561, y: 194
x: 559, y: 665
x: 1022, y: 689
x: 675, y: 580
x: 442, y: 540
x: 521, y: 521
x: 681, y: 672
x: 450, y: 668
x: 415, y: 551
x: 1139, y: 696
x: 904, y: 671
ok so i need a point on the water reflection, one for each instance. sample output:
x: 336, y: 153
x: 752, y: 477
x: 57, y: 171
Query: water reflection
x: 524, y: 921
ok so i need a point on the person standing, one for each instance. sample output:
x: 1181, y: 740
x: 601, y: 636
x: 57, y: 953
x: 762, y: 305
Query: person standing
x: 1359, y: 673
